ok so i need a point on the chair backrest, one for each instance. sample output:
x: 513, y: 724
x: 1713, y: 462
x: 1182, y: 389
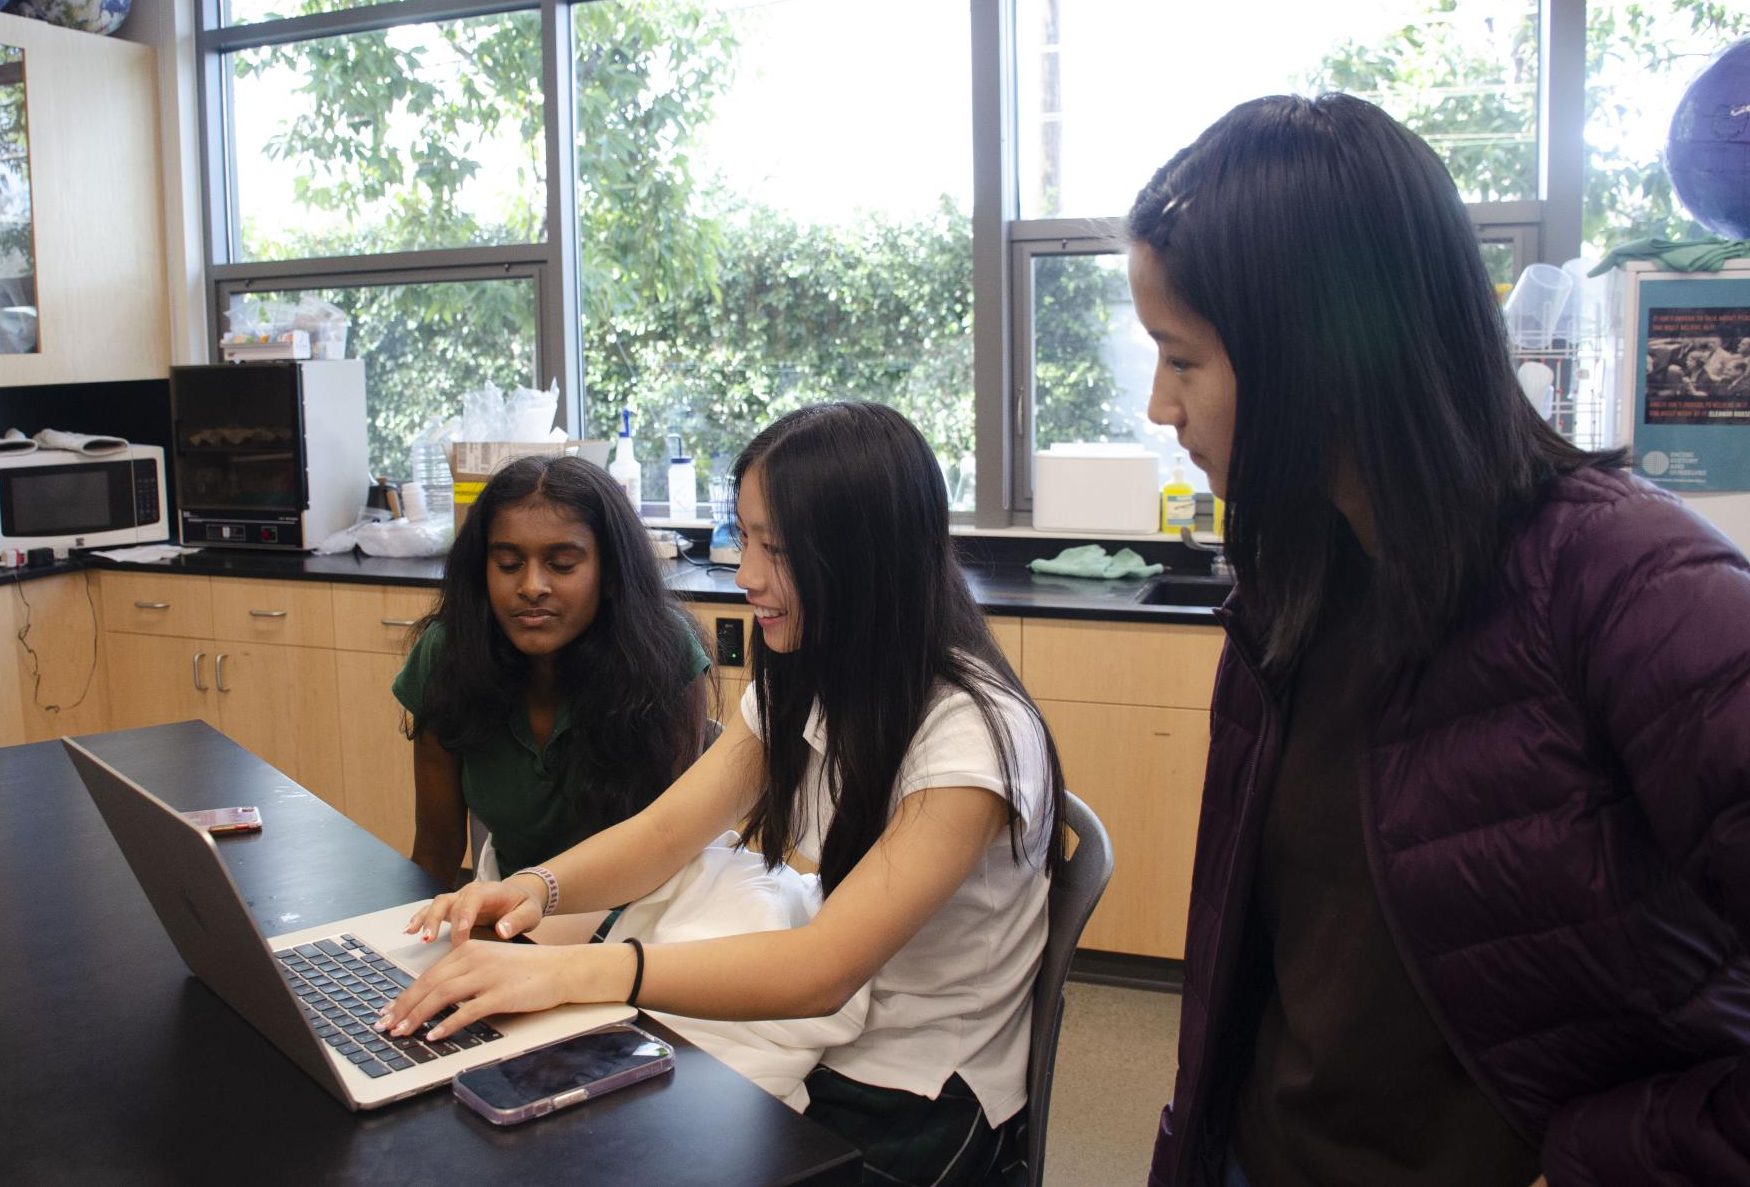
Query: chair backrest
x: 1075, y: 891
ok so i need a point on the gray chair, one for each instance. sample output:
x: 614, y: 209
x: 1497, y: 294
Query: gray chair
x: 1075, y: 891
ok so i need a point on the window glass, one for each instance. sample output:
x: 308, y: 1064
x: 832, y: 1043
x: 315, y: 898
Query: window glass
x: 1093, y: 364
x: 1108, y: 90
x: 420, y: 136
x: 774, y: 209
x: 424, y: 345
x: 1641, y: 56
x: 1501, y: 259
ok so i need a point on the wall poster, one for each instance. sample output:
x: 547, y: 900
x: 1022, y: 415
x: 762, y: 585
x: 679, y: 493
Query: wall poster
x: 1689, y: 361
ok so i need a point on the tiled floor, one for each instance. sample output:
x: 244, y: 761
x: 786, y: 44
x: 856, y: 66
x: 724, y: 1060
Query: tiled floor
x: 1115, y: 1065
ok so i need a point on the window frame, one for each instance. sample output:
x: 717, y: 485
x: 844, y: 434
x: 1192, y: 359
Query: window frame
x: 551, y: 263
x: 1004, y: 246
x: 1545, y: 229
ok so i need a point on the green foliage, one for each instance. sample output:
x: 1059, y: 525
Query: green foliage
x: 1075, y: 395
x: 800, y: 313
x: 388, y: 143
x: 1477, y: 104
x: 703, y: 316
x: 1468, y: 89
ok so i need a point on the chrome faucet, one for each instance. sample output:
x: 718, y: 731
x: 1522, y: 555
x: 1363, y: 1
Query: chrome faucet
x: 1218, y: 563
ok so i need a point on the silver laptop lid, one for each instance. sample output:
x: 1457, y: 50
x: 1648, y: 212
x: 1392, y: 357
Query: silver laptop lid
x: 179, y: 868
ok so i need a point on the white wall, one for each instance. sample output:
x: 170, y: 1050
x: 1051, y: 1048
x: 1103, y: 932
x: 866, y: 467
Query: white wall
x: 1728, y: 512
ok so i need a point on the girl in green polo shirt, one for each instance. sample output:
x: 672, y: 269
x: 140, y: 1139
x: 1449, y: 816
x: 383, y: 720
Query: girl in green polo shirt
x: 558, y: 686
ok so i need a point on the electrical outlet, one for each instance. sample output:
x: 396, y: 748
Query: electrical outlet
x: 731, y: 643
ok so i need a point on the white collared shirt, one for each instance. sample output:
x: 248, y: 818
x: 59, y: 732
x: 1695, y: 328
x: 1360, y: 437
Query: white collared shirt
x: 958, y: 997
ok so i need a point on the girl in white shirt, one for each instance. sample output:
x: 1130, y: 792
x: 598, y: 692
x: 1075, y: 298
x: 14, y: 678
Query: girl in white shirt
x: 883, y: 737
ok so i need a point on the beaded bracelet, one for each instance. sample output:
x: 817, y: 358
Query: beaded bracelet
x: 545, y: 875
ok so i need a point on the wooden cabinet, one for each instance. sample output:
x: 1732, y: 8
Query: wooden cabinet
x: 155, y: 679
x: 371, y: 636
x: 1128, y: 704
x: 252, y: 657
x: 1141, y: 770
x: 98, y: 210
x: 295, y: 613
x: 1007, y: 632
x: 378, y: 617
x: 157, y: 604
x: 53, y: 682
x: 1121, y: 663
x: 300, y: 673
x: 279, y: 702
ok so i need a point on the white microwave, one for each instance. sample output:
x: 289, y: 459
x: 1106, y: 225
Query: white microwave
x: 54, y: 498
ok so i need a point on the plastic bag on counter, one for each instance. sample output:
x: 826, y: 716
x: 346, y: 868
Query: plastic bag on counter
x: 524, y: 415
x: 252, y: 319
x: 431, y: 536
x: 326, y: 324
x: 529, y: 414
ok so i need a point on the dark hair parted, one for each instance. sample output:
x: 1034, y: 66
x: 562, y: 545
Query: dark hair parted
x: 626, y: 676
x: 858, y: 502
x: 1330, y: 251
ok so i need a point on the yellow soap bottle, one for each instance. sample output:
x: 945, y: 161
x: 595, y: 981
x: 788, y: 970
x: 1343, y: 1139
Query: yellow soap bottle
x: 1178, y: 500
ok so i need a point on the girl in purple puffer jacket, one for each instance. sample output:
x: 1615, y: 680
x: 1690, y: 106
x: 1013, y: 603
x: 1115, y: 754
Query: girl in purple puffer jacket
x: 1472, y: 886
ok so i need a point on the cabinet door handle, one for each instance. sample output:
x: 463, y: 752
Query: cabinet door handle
x: 219, y: 672
x: 267, y: 613
x: 151, y: 605
x: 397, y: 621
x: 199, y: 658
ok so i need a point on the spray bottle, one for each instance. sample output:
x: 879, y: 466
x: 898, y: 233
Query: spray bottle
x: 624, y: 469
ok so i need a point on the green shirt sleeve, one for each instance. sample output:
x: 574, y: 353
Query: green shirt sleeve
x: 410, y: 682
x: 698, y: 662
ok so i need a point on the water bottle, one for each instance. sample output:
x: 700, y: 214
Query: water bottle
x: 683, y: 482
x: 431, y: 470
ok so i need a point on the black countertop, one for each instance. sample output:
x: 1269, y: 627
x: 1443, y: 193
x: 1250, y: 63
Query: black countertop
x: 1000, y: 588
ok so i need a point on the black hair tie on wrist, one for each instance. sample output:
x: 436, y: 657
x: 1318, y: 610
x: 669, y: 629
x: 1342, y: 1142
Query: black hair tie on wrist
x: 638, y: 970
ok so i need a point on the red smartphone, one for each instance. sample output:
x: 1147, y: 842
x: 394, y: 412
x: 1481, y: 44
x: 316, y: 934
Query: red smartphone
x: 226, y: 820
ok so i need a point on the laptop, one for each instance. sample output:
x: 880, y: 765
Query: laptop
x: 312, y: 992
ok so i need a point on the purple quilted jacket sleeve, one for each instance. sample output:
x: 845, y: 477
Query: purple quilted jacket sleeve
x: 1650, y: 609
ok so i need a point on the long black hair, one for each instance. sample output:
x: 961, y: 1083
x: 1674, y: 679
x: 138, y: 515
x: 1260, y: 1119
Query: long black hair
x: 1329, y: 249
x: 626, y: 676
x: 857, y: 498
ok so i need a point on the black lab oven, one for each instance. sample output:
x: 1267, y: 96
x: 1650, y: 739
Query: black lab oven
x: 268, y: 454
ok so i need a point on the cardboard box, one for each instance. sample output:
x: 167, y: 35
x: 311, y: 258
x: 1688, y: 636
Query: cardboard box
x: 472, y: 463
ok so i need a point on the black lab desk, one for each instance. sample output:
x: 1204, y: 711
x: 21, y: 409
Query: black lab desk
x: 117, y: 1066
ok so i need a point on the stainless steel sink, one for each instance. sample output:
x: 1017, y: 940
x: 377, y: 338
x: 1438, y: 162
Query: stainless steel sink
x: 1177, y: 589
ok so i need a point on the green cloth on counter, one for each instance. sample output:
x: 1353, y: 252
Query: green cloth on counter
x: 1090, y: 560
x: 1686, y: 255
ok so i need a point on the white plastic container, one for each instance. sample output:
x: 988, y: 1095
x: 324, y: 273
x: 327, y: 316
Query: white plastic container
x: 624, y: 469
x: 683, y: 488
x: 1096, y: 488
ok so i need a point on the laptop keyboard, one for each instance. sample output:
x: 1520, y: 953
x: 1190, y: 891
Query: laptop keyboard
x: 343, y: 986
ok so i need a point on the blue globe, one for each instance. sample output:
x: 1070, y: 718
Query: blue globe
x: 1708, y: 153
